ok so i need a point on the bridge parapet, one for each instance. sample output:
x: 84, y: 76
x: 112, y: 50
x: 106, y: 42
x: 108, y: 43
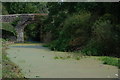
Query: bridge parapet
x: 12, y: 17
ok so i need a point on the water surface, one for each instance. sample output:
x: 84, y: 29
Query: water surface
x: 39, y: 62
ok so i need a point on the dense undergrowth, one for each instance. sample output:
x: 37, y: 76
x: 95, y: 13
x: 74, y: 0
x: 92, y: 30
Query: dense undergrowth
x: 111, y: 61
x: 9, y: 69
x: 93, y: 30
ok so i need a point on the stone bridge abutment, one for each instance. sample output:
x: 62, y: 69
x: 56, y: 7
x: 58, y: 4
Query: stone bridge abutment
x: 22, y: 21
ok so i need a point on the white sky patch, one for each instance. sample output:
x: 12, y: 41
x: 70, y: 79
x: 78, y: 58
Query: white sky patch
x: 62, y: 0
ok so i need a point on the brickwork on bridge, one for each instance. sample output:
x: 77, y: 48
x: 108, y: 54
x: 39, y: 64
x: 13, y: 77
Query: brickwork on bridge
x: 24, y: 19
x: 12, y: 17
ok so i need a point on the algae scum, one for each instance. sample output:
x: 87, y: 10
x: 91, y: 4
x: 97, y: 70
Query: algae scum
x: 39, y: 62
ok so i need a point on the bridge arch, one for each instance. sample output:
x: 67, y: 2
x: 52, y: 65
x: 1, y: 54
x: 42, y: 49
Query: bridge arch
x: 25, y: 19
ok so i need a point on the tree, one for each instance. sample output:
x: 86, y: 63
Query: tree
x: 26, y: 7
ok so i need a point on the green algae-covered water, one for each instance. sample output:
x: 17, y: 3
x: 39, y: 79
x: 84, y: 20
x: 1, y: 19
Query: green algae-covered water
x: 39, y: 62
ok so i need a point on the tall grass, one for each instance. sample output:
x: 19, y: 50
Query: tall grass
x: 9, y: 69
x: 111, y: 61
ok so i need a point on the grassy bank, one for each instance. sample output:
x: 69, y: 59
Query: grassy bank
x: 110, y: 61
x: 9, y: 69
x: 105, y: 59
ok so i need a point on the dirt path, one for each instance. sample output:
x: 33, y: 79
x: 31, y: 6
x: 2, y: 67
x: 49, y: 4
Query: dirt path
x: 37, y: 61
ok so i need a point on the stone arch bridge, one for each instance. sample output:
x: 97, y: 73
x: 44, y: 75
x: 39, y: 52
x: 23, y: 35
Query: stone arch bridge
x: 23, y: 21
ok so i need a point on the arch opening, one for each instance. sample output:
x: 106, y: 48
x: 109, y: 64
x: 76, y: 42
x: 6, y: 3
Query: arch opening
x: 32, y: 33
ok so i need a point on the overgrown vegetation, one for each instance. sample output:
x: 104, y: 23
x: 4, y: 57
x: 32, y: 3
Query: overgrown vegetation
x: 68, y: 36
x: 15, y: 22
x: 111, y: 61
x: 8, y: 27
x: 22, y: 8
x: 33, y: 31
x: 9, y: 69
x: 92, y: 28
x: 67, y: 57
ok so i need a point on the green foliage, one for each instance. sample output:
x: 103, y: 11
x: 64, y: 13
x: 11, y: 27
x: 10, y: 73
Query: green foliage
x: 102, y: 29
x: 56, y: 57
x: 9, y: 69
x: 111, y: 61
x: 102, y: 42
x: 2, y: 40
x: 60, y: 45
x: 20, y: 7
x: 68, y: 57
x: 45, y: 45
x: 8, y: 27
x: 31, y: 31
x: 76, y: 24
x: 77, y: 58
x: 4, y: 11
x: 15, y: 22
x: 34, y: 30
x: 92, y: 48
x: 92, y: 28
x: 104, y: 35
x: 59, y: 57
x: 74, y: 32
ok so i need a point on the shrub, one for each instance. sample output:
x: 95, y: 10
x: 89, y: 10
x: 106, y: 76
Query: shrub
x: 74, y: 32
x: 102, y: 42
x: 103, y: 34
x: 15, y: 22
x: 111, y: 61
x: 8, y: 27
x: 92, y: 48
x: 60, y: 45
